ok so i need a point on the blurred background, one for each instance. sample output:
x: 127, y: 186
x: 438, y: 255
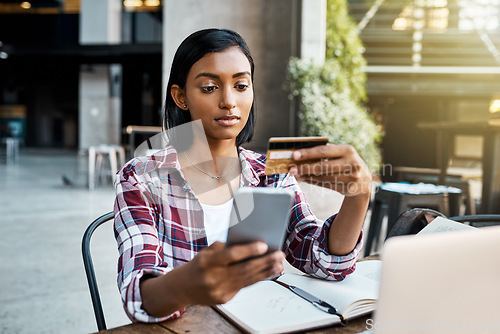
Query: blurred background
x: 82, y: 84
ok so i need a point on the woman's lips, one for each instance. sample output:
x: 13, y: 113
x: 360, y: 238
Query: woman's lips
x: 227, y: 120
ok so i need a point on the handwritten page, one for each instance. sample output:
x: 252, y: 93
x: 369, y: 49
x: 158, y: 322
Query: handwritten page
x: 441, y: 224
x: 267, y: 307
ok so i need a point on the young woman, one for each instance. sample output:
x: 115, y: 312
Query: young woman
x: 172, y: 208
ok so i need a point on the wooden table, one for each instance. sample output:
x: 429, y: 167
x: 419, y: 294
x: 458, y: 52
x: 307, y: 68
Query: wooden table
x: 204, y: 319
x: 490, y: 130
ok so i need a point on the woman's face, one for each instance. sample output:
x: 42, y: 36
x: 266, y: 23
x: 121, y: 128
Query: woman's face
x: 219, y: 92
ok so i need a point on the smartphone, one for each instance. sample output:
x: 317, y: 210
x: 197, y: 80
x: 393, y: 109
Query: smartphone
x: 280, y: 151
x: 260, y: 213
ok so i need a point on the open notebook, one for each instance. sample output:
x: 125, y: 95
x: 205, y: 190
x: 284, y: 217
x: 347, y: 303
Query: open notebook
x: 268, y: 307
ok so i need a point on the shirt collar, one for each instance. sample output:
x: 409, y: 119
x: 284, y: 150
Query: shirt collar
x: 252, y: 167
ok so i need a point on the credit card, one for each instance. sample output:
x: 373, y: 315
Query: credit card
x: 280, y: 151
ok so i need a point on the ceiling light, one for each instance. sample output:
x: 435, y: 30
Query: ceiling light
x: 495, y: 106
x: 132, y: 3
x: 417, y: 36
x: 26, y: 5
x: 152, y: 3
x: 418, y: 24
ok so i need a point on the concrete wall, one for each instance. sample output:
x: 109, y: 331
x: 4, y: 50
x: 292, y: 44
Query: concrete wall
x: 99, y: 106
x: 271, y: 28
x: 100, y: 85
x: 100, y: 22
x: 313, y: 30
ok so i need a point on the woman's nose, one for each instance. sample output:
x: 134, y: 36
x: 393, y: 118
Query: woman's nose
x: 227, y: 100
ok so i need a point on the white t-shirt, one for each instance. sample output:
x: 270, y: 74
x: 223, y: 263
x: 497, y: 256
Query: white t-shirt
x: 216, y: 219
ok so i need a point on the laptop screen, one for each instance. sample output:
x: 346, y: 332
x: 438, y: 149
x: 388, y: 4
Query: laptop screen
x: 440, y: 283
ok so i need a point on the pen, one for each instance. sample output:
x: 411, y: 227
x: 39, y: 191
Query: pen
x: 321, y: 304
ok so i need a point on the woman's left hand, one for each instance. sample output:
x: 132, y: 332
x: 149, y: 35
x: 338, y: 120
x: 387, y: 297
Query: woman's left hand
x: 337, y: 167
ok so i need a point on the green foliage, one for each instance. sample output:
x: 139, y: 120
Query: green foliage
x: 328, y: 110
x: 331, y: 94
x: 344, y: 46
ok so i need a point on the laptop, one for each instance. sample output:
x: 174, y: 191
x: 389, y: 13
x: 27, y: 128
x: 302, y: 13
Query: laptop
x: 440, y: 283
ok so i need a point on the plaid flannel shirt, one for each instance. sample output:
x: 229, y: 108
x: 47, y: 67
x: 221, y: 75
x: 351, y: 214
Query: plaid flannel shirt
x: 159, y: 225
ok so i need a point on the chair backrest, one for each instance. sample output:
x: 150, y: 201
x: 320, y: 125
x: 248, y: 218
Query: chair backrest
x: 479, y: 220
x: 89, y: 268
x: 412, y: 221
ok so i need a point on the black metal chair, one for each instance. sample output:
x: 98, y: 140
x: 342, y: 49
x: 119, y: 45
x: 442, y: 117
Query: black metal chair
x: 89, y: 268
x: 412, y: 221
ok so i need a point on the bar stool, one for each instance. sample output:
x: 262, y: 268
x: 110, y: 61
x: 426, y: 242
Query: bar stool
x: 97, y: 154
x: 393, y: 198
x: 11, y: 149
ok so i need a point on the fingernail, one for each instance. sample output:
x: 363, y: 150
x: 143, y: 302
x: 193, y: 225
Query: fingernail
x: 262, y: 247
x: 278, y: 255
x: 297, y: 155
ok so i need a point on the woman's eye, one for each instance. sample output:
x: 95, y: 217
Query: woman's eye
x: 208, y: 89
x: 242, y: 87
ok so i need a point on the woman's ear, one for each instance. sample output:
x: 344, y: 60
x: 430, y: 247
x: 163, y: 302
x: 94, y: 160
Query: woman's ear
x: 179, y: 97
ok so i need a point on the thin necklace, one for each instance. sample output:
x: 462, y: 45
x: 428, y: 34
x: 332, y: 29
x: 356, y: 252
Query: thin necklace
x: 215, y: 177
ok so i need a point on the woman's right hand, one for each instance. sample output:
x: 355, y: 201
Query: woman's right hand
x: 214, y: 276
x: 218, y: 272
